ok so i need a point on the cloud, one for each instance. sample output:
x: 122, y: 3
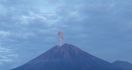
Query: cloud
x: 6, y: 55
x: 4, y: 10
x: 4, y: 33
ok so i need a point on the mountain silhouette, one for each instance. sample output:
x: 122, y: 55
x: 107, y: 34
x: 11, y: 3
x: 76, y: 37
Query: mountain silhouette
x: 67, y: 57
x: 123, y: 64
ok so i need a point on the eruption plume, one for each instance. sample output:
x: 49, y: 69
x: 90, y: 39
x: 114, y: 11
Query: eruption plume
x: 61, y: 38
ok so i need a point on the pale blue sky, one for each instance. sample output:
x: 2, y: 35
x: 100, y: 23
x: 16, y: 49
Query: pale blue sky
x: 29, y: 27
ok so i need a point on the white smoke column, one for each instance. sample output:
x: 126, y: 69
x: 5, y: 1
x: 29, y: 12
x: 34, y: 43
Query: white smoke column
x: 61, y: 38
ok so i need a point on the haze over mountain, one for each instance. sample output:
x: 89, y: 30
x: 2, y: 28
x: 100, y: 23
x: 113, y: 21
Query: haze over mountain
x: 123, y: 64
x: 67, y: 57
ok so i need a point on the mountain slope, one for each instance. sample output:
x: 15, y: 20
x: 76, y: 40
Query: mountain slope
x: 123, y: 64
x: 67, y: 57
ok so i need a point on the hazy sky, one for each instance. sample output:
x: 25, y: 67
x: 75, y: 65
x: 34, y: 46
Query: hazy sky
x: 29, y: 27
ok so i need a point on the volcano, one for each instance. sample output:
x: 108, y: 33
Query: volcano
x: 67, y: 57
